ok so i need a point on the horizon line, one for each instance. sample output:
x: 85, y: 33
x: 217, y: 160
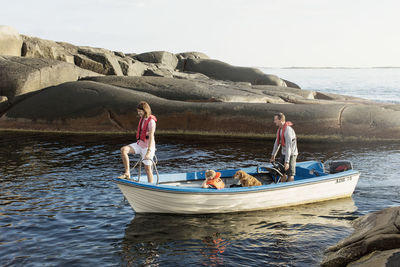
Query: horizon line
x: 374, y: 67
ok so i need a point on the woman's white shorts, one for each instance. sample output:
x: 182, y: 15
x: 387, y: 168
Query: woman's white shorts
x: 142, y: 152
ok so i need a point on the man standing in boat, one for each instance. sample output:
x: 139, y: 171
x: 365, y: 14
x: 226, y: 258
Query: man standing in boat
x: 286, y: 138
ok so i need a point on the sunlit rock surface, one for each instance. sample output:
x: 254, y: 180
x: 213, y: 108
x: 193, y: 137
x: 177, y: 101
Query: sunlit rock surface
x: 375, y: 242
x: 59, y: 86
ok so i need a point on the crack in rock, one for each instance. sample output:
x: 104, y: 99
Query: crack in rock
x: 113, y: 119
x: 340, y: 120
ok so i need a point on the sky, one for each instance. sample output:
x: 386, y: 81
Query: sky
x: 256, y: 33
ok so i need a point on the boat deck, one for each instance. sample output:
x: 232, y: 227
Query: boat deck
x: 263, y: 178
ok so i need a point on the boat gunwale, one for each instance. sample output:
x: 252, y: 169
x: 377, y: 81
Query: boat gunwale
x: 234, y: 190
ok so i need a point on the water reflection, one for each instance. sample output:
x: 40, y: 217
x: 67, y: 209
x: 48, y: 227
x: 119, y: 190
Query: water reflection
x: 215, y: 239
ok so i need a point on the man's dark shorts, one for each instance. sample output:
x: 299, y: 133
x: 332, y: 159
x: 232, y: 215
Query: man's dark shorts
x: 292, y: 165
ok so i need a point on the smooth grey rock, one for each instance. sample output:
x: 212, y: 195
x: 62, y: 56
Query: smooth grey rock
x: 87, y: 63
x: 131, y: 55
x: 98, y: 60
x: 377, y: 231
x: 193, y: 55
x: 119, y: 54
x: 71, y: 105
x: 132, y: 67
x: 72, y: 49
x: 136, y: 68
x: 4, y: 104
x: 337, y: 97
x: 89, y: 105
x: 10, y: 41
x: 81, y: 105
x: 39, y: 48
x: 21, y: 75
x: 124, y: 64
x: 387, y: 258
x: 105, y: 57
x: 286, y: 93
x: 183, y: 56
x: 210, y: 95
x: 158, y: 72
x: 162, y: 57
x: 222, y: 71
x: 375, y: 121
x: 189, y: 76
x: 200, y: 90
x: 291, y: 84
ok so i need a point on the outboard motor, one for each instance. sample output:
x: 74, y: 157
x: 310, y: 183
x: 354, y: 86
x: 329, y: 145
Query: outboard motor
x: 340, y: 166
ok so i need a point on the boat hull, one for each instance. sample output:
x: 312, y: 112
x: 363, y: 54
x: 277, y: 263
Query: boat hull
x: 145, y: 198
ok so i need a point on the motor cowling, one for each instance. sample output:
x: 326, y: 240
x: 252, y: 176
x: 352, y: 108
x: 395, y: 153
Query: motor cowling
x: 340, y: 166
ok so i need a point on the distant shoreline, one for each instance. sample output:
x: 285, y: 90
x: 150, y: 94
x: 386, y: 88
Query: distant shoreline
x: 388, y: 67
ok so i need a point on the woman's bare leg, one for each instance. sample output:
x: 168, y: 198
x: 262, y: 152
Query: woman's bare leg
x: 149, y: 172
x: 125, y: 150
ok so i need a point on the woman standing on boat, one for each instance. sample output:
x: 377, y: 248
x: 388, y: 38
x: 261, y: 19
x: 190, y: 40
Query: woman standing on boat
x: 145, y: 144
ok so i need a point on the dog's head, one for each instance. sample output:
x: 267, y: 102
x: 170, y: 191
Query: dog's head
x: 239, y: 175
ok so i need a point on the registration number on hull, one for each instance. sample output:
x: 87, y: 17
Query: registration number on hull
x: 343, y: 179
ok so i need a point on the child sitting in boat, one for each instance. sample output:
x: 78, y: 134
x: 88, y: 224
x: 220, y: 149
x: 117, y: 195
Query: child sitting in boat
x: 212, y: 180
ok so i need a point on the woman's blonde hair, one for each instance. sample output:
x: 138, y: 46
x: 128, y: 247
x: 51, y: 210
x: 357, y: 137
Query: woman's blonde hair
x: 145, y: 107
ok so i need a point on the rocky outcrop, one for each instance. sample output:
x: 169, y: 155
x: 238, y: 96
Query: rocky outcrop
x: 222, y: 71
x: 39, y: 48
x: 107, y: 104
x: 375, y: 242
x: 192, y: 55
x: 4, y: 104
x: 156, y: 63
x: 98, y: 60
x: 202, y: 89
x: 10, y: 41
x: 169, y: 60
x: 20, y: 75
x: 182, y: 57
x: 192, y: 90
x: 60, y: 86
x: 132, y: 67
x: 387, y: 258
x: 107, y: 60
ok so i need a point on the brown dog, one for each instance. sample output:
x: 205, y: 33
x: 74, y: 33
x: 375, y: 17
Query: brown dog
x: 246, y: 179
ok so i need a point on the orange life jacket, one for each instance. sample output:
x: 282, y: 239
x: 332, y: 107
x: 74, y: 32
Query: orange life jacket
x: 216, y: 183
x: 141, y: 133
x: 281, y: 138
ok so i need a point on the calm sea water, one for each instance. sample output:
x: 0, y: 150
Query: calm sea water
x: 379, y: 84
x: 59, y: 206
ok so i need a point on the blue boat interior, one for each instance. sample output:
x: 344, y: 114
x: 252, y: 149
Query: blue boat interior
x: 307, y: 171
x: 304, y: 170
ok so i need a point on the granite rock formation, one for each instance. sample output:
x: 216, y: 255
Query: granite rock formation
x: 375, y: 242
x: 10, y: 41
x: 59, y: 86
x: 20, y: 75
